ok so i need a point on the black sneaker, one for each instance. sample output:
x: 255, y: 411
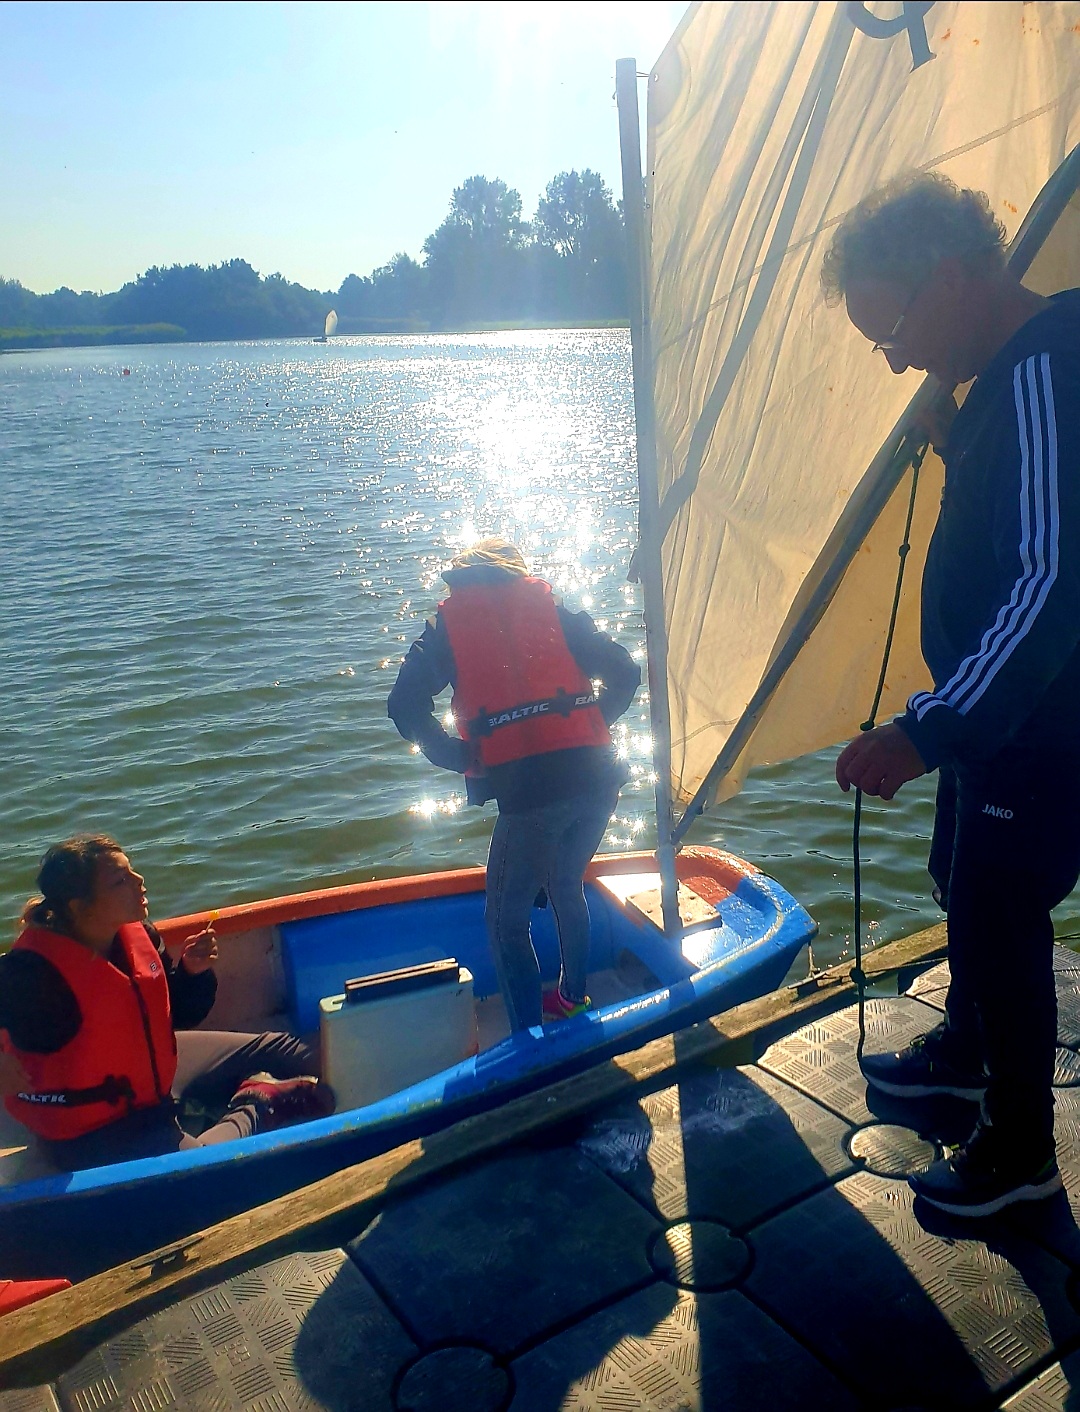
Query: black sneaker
x: 923, y: 1070
x: 986, y: 1174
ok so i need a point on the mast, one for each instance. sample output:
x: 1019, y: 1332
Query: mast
x: 648, y: 550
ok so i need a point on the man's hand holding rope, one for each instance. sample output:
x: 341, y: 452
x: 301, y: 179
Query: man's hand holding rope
x: 879, y: 761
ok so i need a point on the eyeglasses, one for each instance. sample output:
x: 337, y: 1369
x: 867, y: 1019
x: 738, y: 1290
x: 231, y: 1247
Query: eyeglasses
x: 890, y: 344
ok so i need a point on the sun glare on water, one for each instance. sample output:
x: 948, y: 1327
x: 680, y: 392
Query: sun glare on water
x: 428, y: 808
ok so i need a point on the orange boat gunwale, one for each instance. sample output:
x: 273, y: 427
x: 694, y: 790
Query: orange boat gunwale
x: 725, y: 870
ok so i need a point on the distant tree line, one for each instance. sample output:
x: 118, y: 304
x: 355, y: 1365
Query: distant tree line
x: 485, y: 264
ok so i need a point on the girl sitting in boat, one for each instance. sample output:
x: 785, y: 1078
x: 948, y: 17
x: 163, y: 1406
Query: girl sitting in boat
x: 96, y: 1052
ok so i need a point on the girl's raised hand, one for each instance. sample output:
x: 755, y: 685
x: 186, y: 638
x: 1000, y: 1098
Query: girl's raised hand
x: 201, y: 952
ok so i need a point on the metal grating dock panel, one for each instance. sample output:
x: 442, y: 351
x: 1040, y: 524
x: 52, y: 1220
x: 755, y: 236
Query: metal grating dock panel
x: 859, y: 1275
x: 932, y: 986
x: 298, y: 1334
x: 728, y: 1144
x: 1057, y: 1390
x: 666, y: 1349
x: 820, y: 1057
x: 507, y: 1250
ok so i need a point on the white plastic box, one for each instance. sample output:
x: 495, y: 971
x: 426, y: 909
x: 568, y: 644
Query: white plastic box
x: 391, y: 1040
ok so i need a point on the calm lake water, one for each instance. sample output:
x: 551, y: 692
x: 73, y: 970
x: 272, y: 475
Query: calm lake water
x: 214, y: 564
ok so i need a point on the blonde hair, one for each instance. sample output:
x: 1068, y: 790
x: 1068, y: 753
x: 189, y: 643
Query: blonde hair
x: 492, y: 553
x: 901, y: 233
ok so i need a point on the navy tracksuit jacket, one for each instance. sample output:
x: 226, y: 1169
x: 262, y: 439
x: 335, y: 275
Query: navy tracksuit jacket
x: 1001, y: 636
x: 1001, y: 587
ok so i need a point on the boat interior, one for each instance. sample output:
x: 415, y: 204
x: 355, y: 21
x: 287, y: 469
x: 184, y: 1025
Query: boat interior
x: 287, y: 965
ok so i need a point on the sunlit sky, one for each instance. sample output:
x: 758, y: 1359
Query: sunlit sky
x: 313, y: 139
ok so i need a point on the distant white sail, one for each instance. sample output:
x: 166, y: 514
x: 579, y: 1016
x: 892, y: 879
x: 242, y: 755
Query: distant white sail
x: 331, y: 324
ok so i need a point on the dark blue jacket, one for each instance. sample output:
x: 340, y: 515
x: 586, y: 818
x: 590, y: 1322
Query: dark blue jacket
x: 1001, y: 587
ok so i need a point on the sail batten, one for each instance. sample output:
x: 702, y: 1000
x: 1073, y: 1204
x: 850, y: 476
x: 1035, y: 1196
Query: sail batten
x: 767, y: 124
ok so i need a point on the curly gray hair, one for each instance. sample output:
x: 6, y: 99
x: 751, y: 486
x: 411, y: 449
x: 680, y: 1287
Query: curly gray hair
x: 903, y: 230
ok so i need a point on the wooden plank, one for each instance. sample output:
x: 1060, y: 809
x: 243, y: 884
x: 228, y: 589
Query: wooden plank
x: 38, y: 1341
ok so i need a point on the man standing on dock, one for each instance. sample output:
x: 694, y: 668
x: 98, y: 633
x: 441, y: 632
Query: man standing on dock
x: 921, y: 267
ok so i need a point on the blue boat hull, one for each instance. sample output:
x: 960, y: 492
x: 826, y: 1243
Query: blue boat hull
x: 75, y: 1224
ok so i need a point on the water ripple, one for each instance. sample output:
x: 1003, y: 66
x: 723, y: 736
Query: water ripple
x: 216, y: 563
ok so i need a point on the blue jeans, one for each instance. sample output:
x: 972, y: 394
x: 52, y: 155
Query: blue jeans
x: 548, y: 847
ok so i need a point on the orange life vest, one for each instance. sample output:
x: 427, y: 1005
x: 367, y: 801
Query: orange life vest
x: 519, y: 691
x: 124, y: 1055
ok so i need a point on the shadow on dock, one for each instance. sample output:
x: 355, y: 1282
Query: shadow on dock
x: 738, y: 1237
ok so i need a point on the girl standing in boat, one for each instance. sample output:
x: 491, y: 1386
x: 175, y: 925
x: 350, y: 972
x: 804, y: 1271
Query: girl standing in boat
x: 90, y: 1004
x: 533, y: 735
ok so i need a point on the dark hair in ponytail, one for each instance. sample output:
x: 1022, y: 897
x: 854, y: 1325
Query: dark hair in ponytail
x: 68, y: 873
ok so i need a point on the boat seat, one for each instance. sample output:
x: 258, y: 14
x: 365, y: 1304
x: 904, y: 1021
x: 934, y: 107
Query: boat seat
x: 390, y: 1031
x: 637, y: 896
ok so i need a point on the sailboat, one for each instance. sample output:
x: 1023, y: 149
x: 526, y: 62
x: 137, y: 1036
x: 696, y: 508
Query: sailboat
x: 329, y: 328
x: 399, y: 978
x: 773, y: 474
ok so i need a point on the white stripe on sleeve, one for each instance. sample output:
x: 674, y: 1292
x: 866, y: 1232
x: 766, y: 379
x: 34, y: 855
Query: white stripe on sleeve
x: 1039, y: 543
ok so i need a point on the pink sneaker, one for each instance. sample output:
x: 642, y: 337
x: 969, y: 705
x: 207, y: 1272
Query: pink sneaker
x: 278, y: 1102
x: 558, y: 1007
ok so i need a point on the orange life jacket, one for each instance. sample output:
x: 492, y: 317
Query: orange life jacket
x: 124, y: 1055
x: 519, y: 691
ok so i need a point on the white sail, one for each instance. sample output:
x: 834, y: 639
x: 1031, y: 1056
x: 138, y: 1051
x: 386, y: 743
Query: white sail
x: 330, y: 328
x: 779, y: 517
